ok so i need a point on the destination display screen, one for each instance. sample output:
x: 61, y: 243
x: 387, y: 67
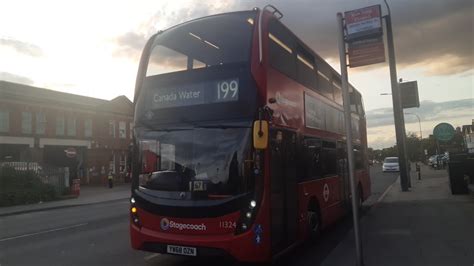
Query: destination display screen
x: 195, y: 94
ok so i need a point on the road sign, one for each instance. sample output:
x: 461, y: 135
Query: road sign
x: 70, y: 152
x: 443, y: 132
x: 366, y: 52
x: 409, y: 94
x: 363, y: 22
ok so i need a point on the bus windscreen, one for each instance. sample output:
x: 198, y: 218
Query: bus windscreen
x: 211, y: 41
x: 200, y: 162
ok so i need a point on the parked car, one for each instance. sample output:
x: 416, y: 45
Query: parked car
x: 432, y: 160
x: 436, y: 159
x: 390, y: 164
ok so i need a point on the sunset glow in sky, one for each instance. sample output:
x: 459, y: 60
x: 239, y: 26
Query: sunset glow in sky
x: 92, y: 48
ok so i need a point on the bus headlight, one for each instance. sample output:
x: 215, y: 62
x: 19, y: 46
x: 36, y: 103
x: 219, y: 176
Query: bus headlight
x: 253, y: 204
x: 247, y: 216
x: 134, y: 213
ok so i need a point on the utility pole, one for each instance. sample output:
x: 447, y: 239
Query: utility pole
x: 397, y: 106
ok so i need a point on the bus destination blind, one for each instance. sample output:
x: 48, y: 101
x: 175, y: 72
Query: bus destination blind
x: 197, y: 93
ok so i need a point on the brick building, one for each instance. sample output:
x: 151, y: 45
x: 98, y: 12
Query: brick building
x: 90, y: 136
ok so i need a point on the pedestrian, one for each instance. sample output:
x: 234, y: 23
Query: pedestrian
x: 110, y: 177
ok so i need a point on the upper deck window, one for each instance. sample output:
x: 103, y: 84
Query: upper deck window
x: 305, y: 67
x: 281, y: 54
x: 205, y: 42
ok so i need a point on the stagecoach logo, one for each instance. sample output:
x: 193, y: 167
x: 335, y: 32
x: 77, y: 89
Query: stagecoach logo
x: 166, y: 224
x: 326, y: 192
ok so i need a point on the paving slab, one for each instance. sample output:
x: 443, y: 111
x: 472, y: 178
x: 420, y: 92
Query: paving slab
x: 425, y: 226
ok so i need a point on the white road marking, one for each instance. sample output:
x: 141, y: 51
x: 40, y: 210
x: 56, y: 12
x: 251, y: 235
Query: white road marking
x: 387, y: 190
x: 43, y: 232
x: 149, y: 257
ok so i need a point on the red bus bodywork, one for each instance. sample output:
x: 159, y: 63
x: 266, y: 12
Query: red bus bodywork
x: 152, y: 235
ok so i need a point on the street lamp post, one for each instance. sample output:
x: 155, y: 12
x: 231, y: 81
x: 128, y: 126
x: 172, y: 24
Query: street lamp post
x: 419, y: 123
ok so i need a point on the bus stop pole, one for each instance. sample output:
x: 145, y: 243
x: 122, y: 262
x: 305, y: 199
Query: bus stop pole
x: 348, y: 127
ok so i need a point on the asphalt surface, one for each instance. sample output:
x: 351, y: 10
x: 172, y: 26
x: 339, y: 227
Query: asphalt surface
x: 98, y: 235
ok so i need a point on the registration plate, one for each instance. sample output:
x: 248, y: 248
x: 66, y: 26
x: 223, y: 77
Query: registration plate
x: 180, y: 250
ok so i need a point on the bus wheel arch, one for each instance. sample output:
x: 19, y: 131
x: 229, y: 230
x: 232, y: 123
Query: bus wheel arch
x: 314, y: 219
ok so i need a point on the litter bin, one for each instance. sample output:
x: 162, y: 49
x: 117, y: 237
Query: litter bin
x: 457, y: 179
x: 76, y: 187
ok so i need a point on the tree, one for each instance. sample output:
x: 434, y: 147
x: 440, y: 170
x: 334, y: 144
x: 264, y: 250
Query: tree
x: 414, y: 147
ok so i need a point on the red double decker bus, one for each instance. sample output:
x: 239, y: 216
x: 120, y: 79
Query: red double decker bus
x: 239, y: 142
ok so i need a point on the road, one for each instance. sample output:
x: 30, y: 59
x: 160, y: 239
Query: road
x: 98, y: 235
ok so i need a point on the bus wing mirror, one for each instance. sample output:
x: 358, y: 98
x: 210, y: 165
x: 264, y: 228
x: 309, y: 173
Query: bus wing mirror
x: 260, y: 134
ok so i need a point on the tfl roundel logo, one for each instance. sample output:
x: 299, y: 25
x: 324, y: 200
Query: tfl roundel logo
x: 165, y: 224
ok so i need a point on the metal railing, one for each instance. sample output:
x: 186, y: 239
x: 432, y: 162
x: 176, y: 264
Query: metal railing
x: 58, y: 177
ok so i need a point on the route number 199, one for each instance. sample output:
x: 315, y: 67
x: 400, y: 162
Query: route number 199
x: 228, y: 90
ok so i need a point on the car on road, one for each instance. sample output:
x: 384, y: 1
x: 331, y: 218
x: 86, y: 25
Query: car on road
x: 390, y: 164
x: 442, y: 159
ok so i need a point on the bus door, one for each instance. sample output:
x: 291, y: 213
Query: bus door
x: 343, y: 172
x: 283, y: 189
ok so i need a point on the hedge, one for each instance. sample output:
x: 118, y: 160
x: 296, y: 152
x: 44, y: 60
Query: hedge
x: 23, y: 187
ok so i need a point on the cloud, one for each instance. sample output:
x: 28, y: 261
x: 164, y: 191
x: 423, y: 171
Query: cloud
x: 428, y: 111
x: 15, y: 78
x: 433, y: 34
x: 22, y: 47
x: 381, y: 129
x: 131, y: 44
x: 438, y: 38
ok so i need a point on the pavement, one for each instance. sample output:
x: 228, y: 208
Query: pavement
x: 425, y: 226
x: 88, y: 195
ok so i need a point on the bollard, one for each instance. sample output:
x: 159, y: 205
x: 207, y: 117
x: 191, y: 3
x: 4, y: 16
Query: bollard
x: 418, y: 169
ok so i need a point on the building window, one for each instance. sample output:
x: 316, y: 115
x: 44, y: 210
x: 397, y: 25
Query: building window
x: 26, y: 122
x: 112, y: 128
x: 71, y: 126
x: 40, y: 123
x: 112, y: 164
x: 60, y: 126
x: 88, y: 127
x: 131, y: 131
x: 122, y: 130
x: 4, y: 121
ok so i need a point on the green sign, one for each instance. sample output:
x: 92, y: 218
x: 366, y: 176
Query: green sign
x: 443, y: 132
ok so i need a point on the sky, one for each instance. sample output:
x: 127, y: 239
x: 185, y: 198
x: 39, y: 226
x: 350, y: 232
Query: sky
x: 92, y: 48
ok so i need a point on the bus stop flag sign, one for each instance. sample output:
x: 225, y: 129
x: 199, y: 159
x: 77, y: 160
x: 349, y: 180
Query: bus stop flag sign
x: 363, y: 23
x: 365, y: 36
